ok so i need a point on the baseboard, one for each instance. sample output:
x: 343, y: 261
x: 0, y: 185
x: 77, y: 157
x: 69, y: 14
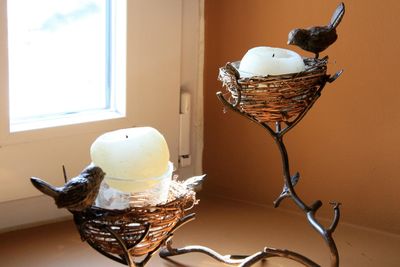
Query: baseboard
x: 30, y: 212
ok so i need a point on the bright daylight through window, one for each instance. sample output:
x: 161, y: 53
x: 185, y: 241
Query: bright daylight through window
x: 62, y: 58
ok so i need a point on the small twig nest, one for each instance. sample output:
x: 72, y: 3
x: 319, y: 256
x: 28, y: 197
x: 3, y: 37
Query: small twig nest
x: 275, y: 98
x: 141, y: 229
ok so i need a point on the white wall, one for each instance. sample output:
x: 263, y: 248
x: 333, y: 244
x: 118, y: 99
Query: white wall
x: 163, y: 56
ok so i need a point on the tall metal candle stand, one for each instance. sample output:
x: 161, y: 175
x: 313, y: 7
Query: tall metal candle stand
x: 277, y: 104
x: 290, y: 97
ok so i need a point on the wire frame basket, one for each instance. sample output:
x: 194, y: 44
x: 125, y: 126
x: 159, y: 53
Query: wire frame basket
x: 275, y: 98
x: 138, y: 230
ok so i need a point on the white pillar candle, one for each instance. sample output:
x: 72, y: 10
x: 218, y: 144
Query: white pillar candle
x: 128, y: 155
x: 264, y: 61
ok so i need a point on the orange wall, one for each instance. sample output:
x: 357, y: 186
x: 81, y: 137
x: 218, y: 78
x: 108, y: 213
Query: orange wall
x: 347, y: 148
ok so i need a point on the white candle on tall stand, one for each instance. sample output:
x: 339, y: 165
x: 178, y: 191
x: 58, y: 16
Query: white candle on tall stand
x: 264, y: 61
x: 132, y: 158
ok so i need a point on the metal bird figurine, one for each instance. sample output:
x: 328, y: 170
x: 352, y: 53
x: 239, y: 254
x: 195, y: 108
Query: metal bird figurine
x: 317, y: 39
x: 78, y: 193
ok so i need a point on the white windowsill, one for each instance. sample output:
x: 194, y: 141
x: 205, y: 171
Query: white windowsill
x: 77, y: 118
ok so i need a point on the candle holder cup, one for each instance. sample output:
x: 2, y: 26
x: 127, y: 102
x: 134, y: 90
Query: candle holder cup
x: 274, y: 98
x: 136, y: 232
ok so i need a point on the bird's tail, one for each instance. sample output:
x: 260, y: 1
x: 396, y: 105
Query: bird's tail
x: 337, y: 16
x: 45, y: 187
x: 194, y: 182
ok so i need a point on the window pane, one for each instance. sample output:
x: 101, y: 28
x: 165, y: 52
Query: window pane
x: 57, y: 57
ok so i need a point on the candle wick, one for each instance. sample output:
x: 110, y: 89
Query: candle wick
x: 126, y: 136
x: 273, y: 55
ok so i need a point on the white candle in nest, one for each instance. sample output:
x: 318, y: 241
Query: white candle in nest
x: 264, y: 61
x: 131, y: 156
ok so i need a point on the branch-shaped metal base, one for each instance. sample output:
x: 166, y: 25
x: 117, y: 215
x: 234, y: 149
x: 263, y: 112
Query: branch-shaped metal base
x: 238, y: 260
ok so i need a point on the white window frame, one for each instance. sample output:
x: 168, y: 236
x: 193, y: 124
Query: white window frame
x: 117, y: 82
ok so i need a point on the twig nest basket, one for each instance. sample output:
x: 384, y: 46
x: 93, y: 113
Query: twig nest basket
x: 278, y: 98
x: 140, y: 229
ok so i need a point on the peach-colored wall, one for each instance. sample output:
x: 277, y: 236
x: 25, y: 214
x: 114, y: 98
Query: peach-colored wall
x: 347, y: 148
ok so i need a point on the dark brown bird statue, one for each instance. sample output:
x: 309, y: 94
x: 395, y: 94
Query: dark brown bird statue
x: 317, y: 39
x: 78, y: 193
